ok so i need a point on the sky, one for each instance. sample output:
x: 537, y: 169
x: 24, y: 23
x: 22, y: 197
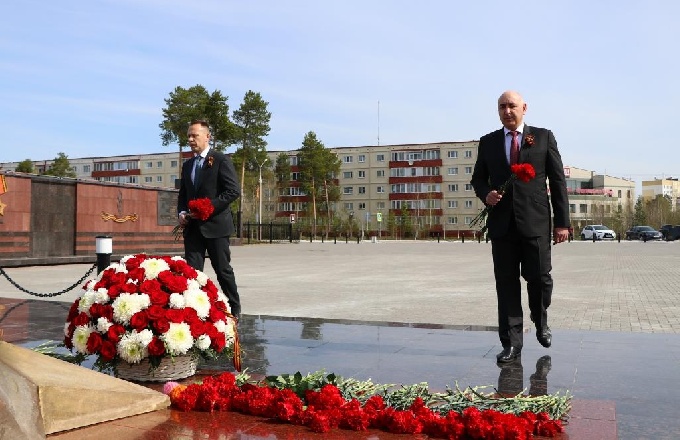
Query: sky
x: 90, y: 78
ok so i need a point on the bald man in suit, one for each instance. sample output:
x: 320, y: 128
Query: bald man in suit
x: 520, y: 226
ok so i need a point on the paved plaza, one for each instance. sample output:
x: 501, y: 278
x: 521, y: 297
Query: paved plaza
x: 412, y: 311
x: 613, y: 286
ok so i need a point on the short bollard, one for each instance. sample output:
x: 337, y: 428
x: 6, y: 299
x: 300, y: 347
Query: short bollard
x: 103, y: 247
x: 437, y: 237
x: 358, y: 239
x: 594, y: 236
x: 462, y: 240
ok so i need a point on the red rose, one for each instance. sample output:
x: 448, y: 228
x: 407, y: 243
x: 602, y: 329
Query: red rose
x: 175, y: 315
x: 161, y: 325
x: 524, y: 171
x: 107, y: 351
x: 73, y: 310
x: 173, y: 283
x: 115, y: 332
x: 139, y: 321
x: 156, y: 347
x: 81, y: 319
x: 94, y: 342
x: 136, y: 274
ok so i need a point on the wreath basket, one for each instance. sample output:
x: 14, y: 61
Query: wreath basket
x: 170, y: 368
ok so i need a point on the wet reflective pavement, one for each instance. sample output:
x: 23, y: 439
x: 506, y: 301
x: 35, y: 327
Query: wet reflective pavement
x: 623, y: 383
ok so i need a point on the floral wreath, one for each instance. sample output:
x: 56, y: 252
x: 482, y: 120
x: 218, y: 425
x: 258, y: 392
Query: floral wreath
x: 147, y: 307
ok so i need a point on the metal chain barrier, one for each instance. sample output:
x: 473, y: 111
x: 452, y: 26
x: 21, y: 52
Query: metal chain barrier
x: 49, y: 295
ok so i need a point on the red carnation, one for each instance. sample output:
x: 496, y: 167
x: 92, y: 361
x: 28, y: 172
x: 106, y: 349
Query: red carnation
x: 107, y: 351
x: 114, y: 333
x: 201, y: 209
x: 524, y: 171
x: 139, y: 321
x: 94, y: 342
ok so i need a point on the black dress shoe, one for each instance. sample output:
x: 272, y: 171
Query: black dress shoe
x: 544, y: 336
x: 508, y: 354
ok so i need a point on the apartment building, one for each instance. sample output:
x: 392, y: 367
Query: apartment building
x: 668, y: 187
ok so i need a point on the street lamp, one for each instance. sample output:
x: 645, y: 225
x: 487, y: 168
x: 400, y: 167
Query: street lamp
x: 259, y: 219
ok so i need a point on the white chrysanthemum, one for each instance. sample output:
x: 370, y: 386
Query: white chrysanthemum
x: 144, y: 300
x: 153, y: 266
x: 102, y: 296
x: 86, y: 301
x: 193, y: 285
x: 222, y: 297
x: 103, y: 325
x: 203, y: 342
x: 131, y: 347
x: 226, y: 327
x: 145, y: 337
x: 177, y: 301
x: 126, y: 305
x: 66, y: 326
x: 89, y: 284
x: 125, y: 259
x: 178, y: 339
x: 80, y: 336
x: 120, y: 267
x: 177, y: 258
x: 201, y: 277
x: 199, y: 301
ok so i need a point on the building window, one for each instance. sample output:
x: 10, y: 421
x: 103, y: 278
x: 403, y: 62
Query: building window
x: 380, y: 173
x: 572, y: 208
x: 159, y: 179
x: 348, y: 190
x: 468, y: 155
x: 362, y: 190
x: 362, y: 174
x: 468, y: 187
x: 362, y: 158
x: 583, y: 208
x: 159, y: 164
x: 86, y: 169
x: 295, y: 176
x: 452, y: 220
x: 380, y: 205
x: 468, y: 170
x: 453, y: 155
x: 293, y: 160
x: 453, y: 204
x: 468, y: 203
x: 148, y: 179
x: 173, y: 164
x: 362, y: 206
x: 380, y: 189
x: 347, y: 175
x: 468, y: 220
x: 349, y: 206
x: 347, y: 159
x: 453, y: 187
x: 453, y: 171
x: 619, y: 194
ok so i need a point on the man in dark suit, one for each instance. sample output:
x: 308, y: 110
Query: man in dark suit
x: 519, y: 225
x: 210, y: 174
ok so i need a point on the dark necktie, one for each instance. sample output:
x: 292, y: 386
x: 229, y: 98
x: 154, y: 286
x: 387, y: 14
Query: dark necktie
x: 197, y: 170
x: 514, y: 148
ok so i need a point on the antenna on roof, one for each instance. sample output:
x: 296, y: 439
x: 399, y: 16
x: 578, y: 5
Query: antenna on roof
x: 378, y: 122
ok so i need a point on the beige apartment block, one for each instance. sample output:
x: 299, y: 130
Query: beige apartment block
x: 430, y: 181
x: 668, y: 187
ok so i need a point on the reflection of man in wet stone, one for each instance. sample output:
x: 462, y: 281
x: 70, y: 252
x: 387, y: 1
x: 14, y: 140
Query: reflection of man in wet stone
x: 511, y: 378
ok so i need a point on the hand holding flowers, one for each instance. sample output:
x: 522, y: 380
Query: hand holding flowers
x: 200, y: 209
x: 523, y: 172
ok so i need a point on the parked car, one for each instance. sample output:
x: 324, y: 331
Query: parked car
x: 644, y: 233
x: 673, y: 233
x: 664, y: 229
x: 601, y: 233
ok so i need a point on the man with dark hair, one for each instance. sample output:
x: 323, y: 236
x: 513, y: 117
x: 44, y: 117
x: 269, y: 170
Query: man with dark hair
x: 209, y: 174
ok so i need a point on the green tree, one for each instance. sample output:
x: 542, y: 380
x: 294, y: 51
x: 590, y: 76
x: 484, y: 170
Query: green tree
x: 26, y: 166
x: 658, y: 210
x: 639, y: 215
x: 251, y: 122
x: 318, y: 170
x: 61, y: 167
x: 184, y: 105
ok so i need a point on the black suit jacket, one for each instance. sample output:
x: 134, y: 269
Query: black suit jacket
x: 527, y: 202
x: 219, y: 183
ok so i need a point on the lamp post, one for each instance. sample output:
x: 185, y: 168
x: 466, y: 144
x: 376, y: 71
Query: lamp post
x: 259, y: 219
